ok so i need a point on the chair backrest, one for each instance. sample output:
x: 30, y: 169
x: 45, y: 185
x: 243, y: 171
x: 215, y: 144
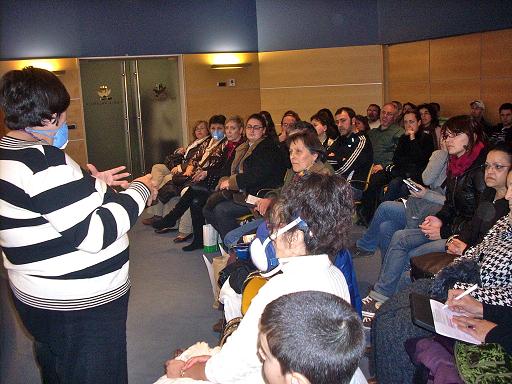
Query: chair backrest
x: 364, y: 183
x: 252, y: 285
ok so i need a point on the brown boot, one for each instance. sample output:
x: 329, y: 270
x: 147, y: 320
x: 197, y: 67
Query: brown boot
x: 151, y: 220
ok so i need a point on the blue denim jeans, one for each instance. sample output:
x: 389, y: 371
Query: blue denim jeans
x: 405, y: 244
x: 231, y: 239
x: 389, y: 218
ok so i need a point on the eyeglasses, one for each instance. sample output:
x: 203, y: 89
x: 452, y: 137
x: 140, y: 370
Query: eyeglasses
x: 288, y: 125
x: 497, y: 167
x: 254, y: 127
x: 451, y: 135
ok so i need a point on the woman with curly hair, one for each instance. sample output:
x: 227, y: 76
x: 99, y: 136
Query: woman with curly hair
x: 321, y: 208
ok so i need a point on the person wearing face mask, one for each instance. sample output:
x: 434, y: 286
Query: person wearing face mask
x: 63, y: 236
x: 203, y: 182
x: 309, y: 222
x: 174, y: 164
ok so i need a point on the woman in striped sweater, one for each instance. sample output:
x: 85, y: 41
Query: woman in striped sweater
x: 63, y: 236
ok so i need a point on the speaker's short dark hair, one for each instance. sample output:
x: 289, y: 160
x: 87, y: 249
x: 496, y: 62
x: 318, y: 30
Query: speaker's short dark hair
x: 30, y: 96
x: 316, y: 334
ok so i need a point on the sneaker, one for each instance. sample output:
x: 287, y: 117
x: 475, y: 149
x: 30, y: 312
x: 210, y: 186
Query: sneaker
x: 358, y: 252
x: 370, y: 306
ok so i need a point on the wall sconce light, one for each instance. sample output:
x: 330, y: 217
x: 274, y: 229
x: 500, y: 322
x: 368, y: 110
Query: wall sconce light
x: 227, y: 61
x: 230, y: 66
x: 52, y: 65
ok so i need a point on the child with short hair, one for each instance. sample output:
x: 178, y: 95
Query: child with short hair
x: 311, y: 337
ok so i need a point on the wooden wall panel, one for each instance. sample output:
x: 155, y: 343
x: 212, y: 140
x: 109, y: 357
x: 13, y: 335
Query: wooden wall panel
x: 307, y: 101
x: 497, y: 54
x: 454, y: 95
x: 326, y: 66
x: 78, y: 151
x: 408, y: 62
x: 308, y: 80
x: 494, y: 93
x: 455, y: 58
x: 460, y: 69
x: 204, y: 98
x: 414, y: 92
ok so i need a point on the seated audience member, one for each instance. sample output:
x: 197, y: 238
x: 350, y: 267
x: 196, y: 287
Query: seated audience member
x: 487, y: 323
x: 391, y: 216
x: 384, y: 141
x: 465, y: 184
x: 407, y: 107
x: 477, y: 113
x: 399, y: 109
x: 163, y: 173
x: 324, y: 205
x: 373, y: 114
x: 209, y: 157
x: 306, y: 157
x: 502, y: 131
x: 310, y: 337
x: 352, y: 154
x: 361, y: 124
x: 430, y: 122
x: 325, y: 128
x: 258, y: 164
x: 287, y: 123
x: 410, y: 157
x: 437, y: 108
x: 484, y: 322
x: 488, y: 263
x: 204, y: 181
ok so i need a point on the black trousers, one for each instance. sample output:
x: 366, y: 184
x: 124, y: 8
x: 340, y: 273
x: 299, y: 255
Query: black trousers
x: 370, y: 199
x: 79, y: 347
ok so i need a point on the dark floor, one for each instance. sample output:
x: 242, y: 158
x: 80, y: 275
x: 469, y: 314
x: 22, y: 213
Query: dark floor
x: 170, y: 307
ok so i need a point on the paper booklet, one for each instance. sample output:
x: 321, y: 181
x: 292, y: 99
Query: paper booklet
x: 444, y: 326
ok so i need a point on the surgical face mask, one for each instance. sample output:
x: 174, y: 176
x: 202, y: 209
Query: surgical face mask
x: 218, y: 134
x: 263, y: 253
x: 60, y: 139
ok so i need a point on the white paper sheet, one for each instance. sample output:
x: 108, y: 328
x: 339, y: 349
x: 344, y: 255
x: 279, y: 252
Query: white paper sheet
x: 444, y: 326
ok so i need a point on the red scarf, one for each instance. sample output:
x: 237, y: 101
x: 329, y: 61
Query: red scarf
x: 231, y: 146
x: 458, y: 165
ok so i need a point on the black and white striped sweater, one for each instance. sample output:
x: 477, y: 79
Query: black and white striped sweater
x: 62, y: 232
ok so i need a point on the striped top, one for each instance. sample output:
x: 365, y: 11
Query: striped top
x: 62, y: 232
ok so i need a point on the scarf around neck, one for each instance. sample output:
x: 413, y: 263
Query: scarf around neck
x: 458, y: 165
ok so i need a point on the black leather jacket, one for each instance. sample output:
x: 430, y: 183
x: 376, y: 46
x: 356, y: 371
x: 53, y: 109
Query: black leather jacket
x: 462, y: 195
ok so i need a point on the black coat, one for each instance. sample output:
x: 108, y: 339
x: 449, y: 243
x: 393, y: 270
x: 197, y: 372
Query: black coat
x: 486, y: 215
x: 462, y: 196
x: 411, y: 156
x: 260, y: 166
